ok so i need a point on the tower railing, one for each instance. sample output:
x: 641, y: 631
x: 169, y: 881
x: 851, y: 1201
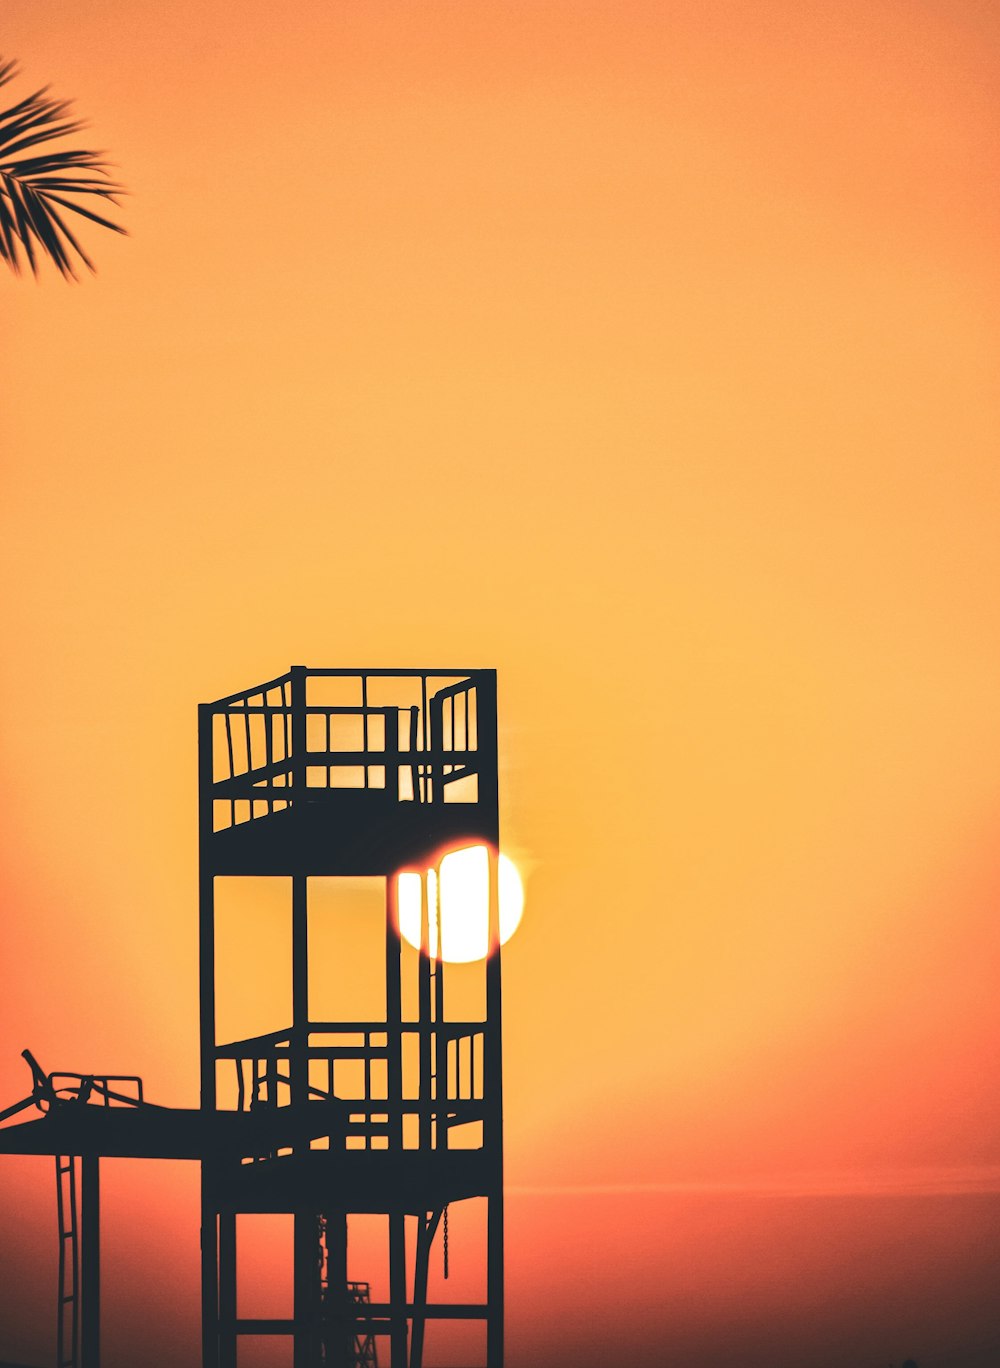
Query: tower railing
x: 347, y: 1063
x: 283, y: 742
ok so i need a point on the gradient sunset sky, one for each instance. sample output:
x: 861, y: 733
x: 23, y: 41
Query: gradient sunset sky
x: 648, y: 353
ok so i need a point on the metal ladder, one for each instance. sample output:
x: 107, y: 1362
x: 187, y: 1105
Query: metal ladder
x: 365, y: 1353
x: 68, y: 1310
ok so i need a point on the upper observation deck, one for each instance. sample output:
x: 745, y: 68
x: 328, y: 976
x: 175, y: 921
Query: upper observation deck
x: 347, y: 772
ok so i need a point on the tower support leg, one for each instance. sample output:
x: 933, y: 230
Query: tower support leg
x: 397, y: 1289
x: 209, y: 1278
x: 90, y: 1251
x: 494, y: 1127
x: 426, y: 1230
x: 338, y: 1310
x: 494, y: 1280
x: 227, y: 1289
x: 306, y: 1256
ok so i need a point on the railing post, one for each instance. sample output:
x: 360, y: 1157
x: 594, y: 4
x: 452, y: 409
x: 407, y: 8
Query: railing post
x: 434, y: 767
x: 440, y: 1048
x: 206, y: 908
x: 391, y: 716
x: 486, y: 747
x: 394, y: 1071
x: 364, y: 726
x: 486, y: 716
x: 298, y: 1063
x: 297, y: 675
x: 424, y: 1013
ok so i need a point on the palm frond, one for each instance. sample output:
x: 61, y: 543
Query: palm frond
x: 36, y: 190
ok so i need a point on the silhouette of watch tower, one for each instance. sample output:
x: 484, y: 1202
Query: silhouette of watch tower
x: 337, y: 774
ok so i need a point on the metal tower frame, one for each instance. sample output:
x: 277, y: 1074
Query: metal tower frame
x: 332, y: 774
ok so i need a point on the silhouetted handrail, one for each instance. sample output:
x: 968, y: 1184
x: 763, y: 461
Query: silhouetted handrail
x: 275, y: 746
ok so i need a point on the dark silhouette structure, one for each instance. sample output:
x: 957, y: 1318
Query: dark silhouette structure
x: 39, y: 183
x: 332, y: 774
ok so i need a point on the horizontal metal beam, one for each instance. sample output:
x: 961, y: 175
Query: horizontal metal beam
x: 463, y: 676
x: 436, y: 1310
x: 375, y: 1317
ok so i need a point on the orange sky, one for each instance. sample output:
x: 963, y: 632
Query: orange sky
x: 647, y: 352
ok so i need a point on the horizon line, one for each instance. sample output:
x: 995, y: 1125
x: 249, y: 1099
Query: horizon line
x: 982, y: 1179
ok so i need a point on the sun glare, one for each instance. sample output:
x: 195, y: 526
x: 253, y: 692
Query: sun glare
x: 464, y: 905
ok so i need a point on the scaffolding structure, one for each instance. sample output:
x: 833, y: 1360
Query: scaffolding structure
x: 321, y: 775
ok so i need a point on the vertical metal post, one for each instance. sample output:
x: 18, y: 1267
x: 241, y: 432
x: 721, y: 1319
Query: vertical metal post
x: 306, y: 1232
x: 486, y: 717
x: 486, y: 746
x: 209, y: 1272
x: 206, y: 1007
x: 391, y: 723
x: 493, y: 1091
x: 440, y: 1039
x: 227, y: 1289
x: 397, y: 1289
x: 299, y: 1061
x: 206, y: 910
x: 393, y: 1013
x: 340, y: 1312
x: 426, y: 1230
x: 90, y: 1250
x: 424, y: 1015
x: 298, y: 1064
x: 394, y: 1070
x: 434, y: 767
x: 297, y: 677
x: 209, y: 1231
x: 305, y: 1256
x: 364, y: 726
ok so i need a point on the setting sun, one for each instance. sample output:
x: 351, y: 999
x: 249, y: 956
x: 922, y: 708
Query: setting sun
x: 463, y: 905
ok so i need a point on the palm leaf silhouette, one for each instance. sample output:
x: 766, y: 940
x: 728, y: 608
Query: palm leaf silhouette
x: 40, y: 186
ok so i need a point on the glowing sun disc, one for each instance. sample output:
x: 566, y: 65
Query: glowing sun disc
x: 464, y: 905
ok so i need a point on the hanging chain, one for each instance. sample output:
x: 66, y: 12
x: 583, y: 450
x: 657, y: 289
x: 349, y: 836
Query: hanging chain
x: 446, y: 1242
